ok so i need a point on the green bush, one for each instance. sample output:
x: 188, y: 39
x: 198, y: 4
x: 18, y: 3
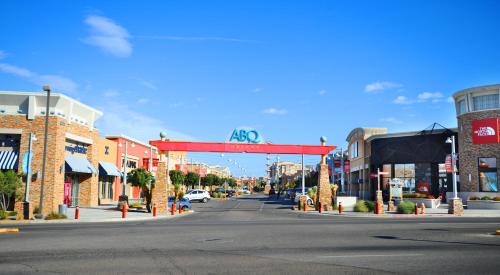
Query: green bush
x: 370, y: 205
x: 474, y: 198
x: 36, y: 210
x: 496, y: 198
x: 406, y: 207
x: 3, y: 214
x: 361, y: 207
x: 55, y: 216
x: 486, y: 198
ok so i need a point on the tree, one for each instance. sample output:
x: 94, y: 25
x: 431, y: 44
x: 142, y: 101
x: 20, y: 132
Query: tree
x: 144, y: 180
x: 10, y: 185
x: 191, y: 179
x: 211, y: 180
x: 177, y: 178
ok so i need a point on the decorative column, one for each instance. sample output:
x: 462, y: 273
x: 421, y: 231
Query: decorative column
x: 324, y: 194
x: 160, y: 190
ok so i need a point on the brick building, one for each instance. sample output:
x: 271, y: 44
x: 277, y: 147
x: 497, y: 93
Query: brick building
x: 478, y: 115
x: 71, y: 174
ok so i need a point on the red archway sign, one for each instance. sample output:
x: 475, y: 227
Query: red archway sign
x: 228, y: 147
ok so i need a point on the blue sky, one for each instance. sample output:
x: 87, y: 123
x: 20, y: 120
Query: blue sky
x: 294, y: 70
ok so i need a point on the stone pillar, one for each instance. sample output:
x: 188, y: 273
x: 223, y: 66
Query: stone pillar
x: 324, y: 194
x: 160, y: 195
x: 455, y: 207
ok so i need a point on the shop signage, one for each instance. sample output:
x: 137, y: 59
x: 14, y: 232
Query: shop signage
x: 485, y: 131
x: 423, y: 188
x: 79, y: 149
x: 396, y: 188
x: 347, y: 166
x: 245, y: 135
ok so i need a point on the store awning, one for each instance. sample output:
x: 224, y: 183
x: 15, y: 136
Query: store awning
x: 8, y: 160
x: 109, y: 169
x: 79, y: 165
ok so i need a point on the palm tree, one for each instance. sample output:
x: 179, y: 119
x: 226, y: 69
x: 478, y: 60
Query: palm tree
x: 177, y: 178
x: 146, y: 181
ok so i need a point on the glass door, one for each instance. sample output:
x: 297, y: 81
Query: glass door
x: 75, y: 190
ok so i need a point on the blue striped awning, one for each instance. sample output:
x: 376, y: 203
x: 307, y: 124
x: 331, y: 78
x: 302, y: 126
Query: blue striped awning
x: 108, y: 168
x: 78, y: 165
x: 8, y: 160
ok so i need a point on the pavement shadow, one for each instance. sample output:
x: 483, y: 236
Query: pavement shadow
x: 434, y: 241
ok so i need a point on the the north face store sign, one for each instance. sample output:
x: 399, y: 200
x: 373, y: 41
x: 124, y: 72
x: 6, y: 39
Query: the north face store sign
x: 485, y: 131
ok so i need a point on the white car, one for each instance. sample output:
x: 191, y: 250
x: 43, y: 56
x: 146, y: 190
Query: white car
x: 243, y: 191
x: 197, y: 195
x: 309, y: 201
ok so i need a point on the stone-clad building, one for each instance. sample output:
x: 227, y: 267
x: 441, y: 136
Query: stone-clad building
x: 71, y: 167
x: 478, y: 115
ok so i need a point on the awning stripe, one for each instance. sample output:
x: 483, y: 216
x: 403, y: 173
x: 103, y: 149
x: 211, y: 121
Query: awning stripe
x: 107, y: 168
x: 8, y: 159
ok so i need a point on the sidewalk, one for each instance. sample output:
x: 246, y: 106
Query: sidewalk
x: 100, y: 214
x: 442, y: 211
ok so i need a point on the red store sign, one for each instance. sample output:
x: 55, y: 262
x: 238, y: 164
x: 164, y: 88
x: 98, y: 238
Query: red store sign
x: 485, y: 131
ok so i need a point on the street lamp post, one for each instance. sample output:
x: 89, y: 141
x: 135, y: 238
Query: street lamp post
x: 455, y: 205
x: 46, y: 88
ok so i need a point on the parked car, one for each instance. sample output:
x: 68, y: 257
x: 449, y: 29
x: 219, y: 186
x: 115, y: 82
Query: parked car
x: 197, y: 195
x: 295, y: 191
x: 243, y: 191
x: 229, y: 193
x: 183, y: 203
x: 309, y: 201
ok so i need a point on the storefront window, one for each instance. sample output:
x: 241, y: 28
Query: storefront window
x: 484, y: 102
x: 406, y: 173
x: 386, y: 178
x: 488, y: 179
x: 461, y: 106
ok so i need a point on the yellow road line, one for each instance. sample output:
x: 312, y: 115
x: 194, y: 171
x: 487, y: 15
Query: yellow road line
x: 9, y: 230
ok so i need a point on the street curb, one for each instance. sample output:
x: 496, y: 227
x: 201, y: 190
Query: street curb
x: 113, y: 220
x: 390, y: 215
x: 9, y: 230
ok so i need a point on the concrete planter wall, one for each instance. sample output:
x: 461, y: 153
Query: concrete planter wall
x: 347, y: 202
x: 483, y: 204
x: 429, y: 203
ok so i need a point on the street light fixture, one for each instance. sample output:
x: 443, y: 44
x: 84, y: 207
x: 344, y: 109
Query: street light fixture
x: 451, y: 140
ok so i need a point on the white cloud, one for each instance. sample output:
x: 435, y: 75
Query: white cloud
x: 2, y: 54
x: 57, y: 82
x: 322, y: 92
x: 122, y: 119
x: 143, y: 100
x: 256, y: 90
x: 390, y: 120
x: 380, y: 86
x: 427, y: 96
x: 450, y: 99
x: 111, y: 93
x: 108, y: 36
x: 148, y: 84
x: 274, y: 111
x: 176, y: 104
x: 403, y: 100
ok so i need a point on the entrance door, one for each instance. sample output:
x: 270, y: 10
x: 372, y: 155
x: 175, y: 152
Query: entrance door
x: 75, y: 191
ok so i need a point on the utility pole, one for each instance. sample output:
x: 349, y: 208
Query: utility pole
x: 46, y: 88
x: 342, y: 169
x: 29, y: 172
x: 124, y: 185
x: 303, y: 177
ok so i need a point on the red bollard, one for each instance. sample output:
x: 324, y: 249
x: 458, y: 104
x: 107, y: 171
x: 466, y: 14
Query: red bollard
x: 340, y: 208
x: 172, y: 209
x: 319, y: 207
x: 416, y: 209
x: 154, y: 210
x: 180, y: 209
x: 77, y: 212
x: 423, y: 209
x: 305, y: 206
x: 124, y: 211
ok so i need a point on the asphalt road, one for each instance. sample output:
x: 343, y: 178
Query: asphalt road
x: 255, y: 236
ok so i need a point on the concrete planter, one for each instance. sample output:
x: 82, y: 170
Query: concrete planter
x: 429, y: 203
x: 347, y: 202
x: 478, y: 204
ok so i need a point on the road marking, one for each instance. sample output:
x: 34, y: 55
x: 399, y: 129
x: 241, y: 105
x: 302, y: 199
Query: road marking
x: 261, y: 207
x: 373, y: 255
x: 9, y: 230
x: 237, y: 205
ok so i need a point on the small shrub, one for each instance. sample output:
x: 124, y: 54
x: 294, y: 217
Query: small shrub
x: 3, y: 215
x: 474, y: 198
x: 486, y: 198
x: 361, y: 207
x: 406, y: 207
x: 136, y: 205
x: 370, y: 205
x: 55, y: 216
x: 496, y: 198
x: 181, y: 195
x: 36, y: 210
x: 12, y: 213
